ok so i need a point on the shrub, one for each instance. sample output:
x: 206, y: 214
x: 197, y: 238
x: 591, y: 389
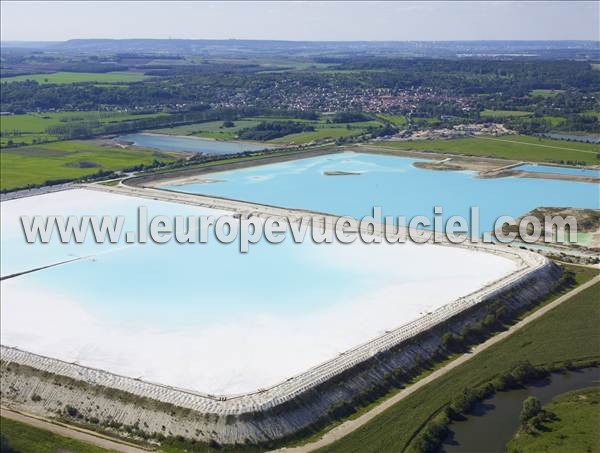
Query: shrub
x: 531, y: 407
x: 71, y: 411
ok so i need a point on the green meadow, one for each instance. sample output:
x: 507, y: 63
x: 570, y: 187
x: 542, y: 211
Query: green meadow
x: 210, y: 129
x: 37, y: 164
x: 21, y: 438
x: 575, y: 427
x: 323, y: 129
x: 545, y: 93
x: 32, y: 127
x: 515, y: 147
x: 497, y: 114
x: 78, y: 77
x: 396, y: 120
x: 327, y: 131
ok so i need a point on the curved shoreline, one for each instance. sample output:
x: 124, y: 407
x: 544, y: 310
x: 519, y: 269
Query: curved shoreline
x: 206, y: 139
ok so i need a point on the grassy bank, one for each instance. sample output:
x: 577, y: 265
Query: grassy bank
x: 210, y: 129
x: 38, y: 164
x: 573, y: 425
x: 542, y: 93
x: 18, y: 437
x: 502, y: 114
x: 568, y: 333
x: 514, y: 147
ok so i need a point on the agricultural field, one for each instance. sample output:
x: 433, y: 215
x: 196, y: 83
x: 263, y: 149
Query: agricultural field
x: 396, y: 120
x: 500, y: 114
x: 79, y: 77
x: 545, y: 93
x: 326, y: 131
x: 19, y: 437
x: 37, y: 164
x: 211, y: 129
x: 567, y: 333
x: 514, y: 147
x: 575, y: 427
x: 554, y: 121
x: 323, y: 129
x: 32, y: 128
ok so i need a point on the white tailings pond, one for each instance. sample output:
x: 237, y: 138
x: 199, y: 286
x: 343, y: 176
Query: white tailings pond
x: 205, y: 317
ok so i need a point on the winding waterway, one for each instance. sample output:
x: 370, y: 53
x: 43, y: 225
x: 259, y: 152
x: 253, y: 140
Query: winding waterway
x: 496, y: 419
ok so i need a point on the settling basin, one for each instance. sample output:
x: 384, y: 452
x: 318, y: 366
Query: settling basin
x: 353, y: 184
x: 249, y: 321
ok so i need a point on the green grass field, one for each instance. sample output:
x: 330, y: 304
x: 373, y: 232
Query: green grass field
x: 554, y: 120
x: 396, y: 120
x: 498, y: 114
x: 37, y: 164
x: 545, y: 93
x: 32, y: 127
x: 515, y: 147
x: 575, y: 428
x: 324, y: 133
x: 211, y: 129
x: 327, y: 131
x: 23, y: 438
x: 567, y: 333
x: 323, y: 130
x: 77, y: 77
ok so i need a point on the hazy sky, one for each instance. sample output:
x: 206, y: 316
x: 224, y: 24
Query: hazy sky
x: 57, y: 21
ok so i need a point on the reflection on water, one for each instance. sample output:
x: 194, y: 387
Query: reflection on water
x: 494, y: 421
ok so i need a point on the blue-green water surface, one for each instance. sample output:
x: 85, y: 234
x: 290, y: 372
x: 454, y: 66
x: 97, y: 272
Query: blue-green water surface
x: 393, y: 184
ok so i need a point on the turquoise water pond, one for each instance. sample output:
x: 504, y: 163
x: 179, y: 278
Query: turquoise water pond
x: 393, y: 184
x: 534, y: 168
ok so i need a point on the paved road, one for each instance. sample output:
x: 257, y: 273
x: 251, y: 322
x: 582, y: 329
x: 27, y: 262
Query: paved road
x: 351, y: 425
x: 80, y: 434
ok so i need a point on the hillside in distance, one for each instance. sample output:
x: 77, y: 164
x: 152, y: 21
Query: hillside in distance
x: 240, y: 48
